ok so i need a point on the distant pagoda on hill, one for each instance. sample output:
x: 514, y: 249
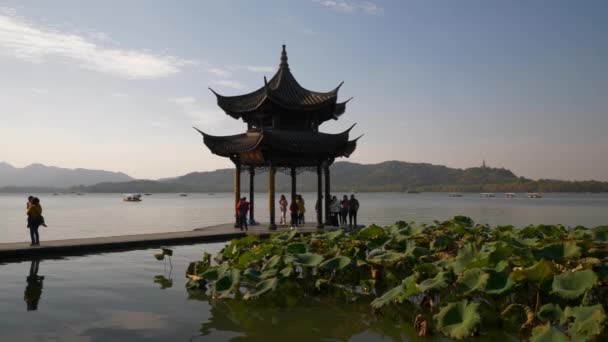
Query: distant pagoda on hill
x: 283, y: 121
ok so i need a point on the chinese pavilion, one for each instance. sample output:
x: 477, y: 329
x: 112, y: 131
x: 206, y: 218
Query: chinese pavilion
x: 283, y: 120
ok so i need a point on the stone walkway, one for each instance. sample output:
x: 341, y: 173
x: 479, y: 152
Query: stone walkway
x: 58, y: 248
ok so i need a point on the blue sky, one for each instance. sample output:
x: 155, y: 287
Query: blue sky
x: 117, y: 85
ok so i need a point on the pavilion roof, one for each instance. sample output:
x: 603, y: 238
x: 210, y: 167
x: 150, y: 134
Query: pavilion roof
x: 285, y: 91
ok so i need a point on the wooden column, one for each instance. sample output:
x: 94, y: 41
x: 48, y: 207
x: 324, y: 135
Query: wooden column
x: 237, y: 192
x: 251, y: 195
x: 320, y: 196
x: 327, y: 193
x: 271, y: 203
x: 293, y: 184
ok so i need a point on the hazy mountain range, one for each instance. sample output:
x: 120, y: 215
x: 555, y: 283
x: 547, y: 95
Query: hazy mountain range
x: 38, y: 175
x: 345, y: 177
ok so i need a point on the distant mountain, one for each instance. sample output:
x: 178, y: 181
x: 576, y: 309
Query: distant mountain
x: 38, y: 175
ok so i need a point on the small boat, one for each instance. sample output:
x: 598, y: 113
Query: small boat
x: 147, y: 194
x: 453, y: 194
x: 132, y: 198
x: 79, y: 194
x: 55, y: 194
x: 510, y: 195
x: 413, y: 192
x: 488, y: 194
x: 534, y: 195
x: 183, y: 195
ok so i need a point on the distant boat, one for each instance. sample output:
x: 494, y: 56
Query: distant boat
x: 147, y: 194
x: 183, y: 195
x: 413, y: 192
x: 79, y: 194
x: 488, y: 194
x: 534, y: 195
x: 510, y: 195
x: 453, y: 194
x: 211, y: 194
x: 132, y: 198
x: 55, y: 194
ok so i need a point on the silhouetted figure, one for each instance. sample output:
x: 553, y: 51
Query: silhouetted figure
x: 33, y: 289
x: 334, y: 209
x: 293, y: 211
x: 283, y: 207
x: 301, y: 209
x: 34, y: 220
x: 242, y: 210
x: 353, y: 207
x: 343, y: 210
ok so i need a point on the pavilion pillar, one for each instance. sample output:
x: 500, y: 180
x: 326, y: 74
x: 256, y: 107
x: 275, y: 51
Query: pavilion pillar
x: 293, y: 184
x: 271, y: 201
x: 327, y: 194
x: 237, y: 192
x: 319, y: 196
x: 251, y: 193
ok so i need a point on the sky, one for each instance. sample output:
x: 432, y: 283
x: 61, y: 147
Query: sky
x: 117, y: 85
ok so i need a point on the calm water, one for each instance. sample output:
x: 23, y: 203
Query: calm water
x: 129, y: 296
x: 71, y: 216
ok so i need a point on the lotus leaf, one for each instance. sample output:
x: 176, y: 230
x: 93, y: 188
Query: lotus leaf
x: 558, y: 251
x: 600, y: 233
x: 284, y: 237
x: 306, y: 259
x: 413, y: 250
x: 517, y: 316
x: 465, y: 256
x: 297, y: 247
x: 399, y: 293
x: 463, y: 220
x: 472, y: 280
x: 336, y: 263
x: 252, y: 274
x: 427, y: 269
x: 386, y: 258
x: 287, y: 271
x: 547, y: 333
x: 371, y: 232
x: 330, y: 236
x: 458, y: 320
x: 498, y: 282
x: 262, y: 287
x: 551, y: 312
x: 273, y: 262
x: 440, y: 243
x: 438, y: 282
x: 163, y: 282
x: 571, y: 285
x: 226, y: 283
x: 588, y: 320
x: 536, y: 273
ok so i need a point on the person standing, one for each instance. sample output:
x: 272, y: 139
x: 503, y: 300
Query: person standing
x: 334, y: 209
x: 243, y: 209
x: 343, y: 210
x: 293, y: 210
x: 353, y: 207
x: 301, y: 209
x: 283, y: 207
x: 34, y: 214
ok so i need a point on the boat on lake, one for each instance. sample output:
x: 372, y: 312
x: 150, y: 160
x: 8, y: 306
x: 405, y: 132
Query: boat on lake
x: 534, y: 195
x: 132, y: 198
x: 183, y: 195
x: 147, y: 194
x: 510, y: 195
x: 488, y: 194
x: 454, y: 194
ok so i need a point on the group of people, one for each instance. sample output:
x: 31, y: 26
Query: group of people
x: 34, y: 218
x: 344, y: 212
x: 297, y: 209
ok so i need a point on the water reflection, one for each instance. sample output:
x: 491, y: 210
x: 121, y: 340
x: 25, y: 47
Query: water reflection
x: 33, y: 289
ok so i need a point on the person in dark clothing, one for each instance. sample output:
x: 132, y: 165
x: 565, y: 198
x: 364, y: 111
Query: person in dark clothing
x: 293, y: 210
x: 243, y: 209
x: 34, y: 220
x: 33, y: 289
x: 353, y: 207
x: 344, y: 210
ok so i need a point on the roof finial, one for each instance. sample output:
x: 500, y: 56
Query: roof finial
x: 284, y: 64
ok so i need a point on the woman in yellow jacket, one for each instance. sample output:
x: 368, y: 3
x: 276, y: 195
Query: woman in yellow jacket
x: 34, y: 220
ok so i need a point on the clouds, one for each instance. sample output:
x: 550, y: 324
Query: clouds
x: 198, y: 113
x: 35, y: 43
x: 346, y: 6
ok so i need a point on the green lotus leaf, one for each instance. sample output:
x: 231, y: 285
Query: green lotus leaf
x: 438, y: 282
x: 273, y: 262
x: 287, y: 271
x: 522, y: 243
x: 547, y: 333
x: 371, y: 232
x: 551, y: 312
x: 572, y: 285
x: 399, y: 293
x: 588, y: 320
x: 498, y: 282
x: 269, y: 273
x: 255, y: 254
x: 320, y: 283
x: 211, y: 275
x: 226, y: 283
x: 297, y: 247
x: 306, y: 259
x: 463, y: 221
x: 413, y: 250
x: 472, y: 280
x: 458, y: 320
x: 336, y: 263
x: 427, y: 269
x: 284, y: 237
x: 262, y: 288
x: 330, y: 236
x: 386, y: 258
x: 252, y: 274
x: 516, y: 315
x: 440, y: 243
x: 558, y: 251
x: 465, y: 256
x: 163, y: 282
x: 600, y: 233
x: 536, y: 273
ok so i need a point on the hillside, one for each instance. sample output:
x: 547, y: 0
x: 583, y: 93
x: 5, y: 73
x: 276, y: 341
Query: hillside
x: 38, y: 175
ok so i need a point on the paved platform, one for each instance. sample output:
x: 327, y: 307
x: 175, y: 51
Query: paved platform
x: 58, y: 248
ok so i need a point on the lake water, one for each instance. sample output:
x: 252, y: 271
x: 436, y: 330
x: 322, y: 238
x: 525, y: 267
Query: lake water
x: 130, y: 296
x: 92, y: 215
